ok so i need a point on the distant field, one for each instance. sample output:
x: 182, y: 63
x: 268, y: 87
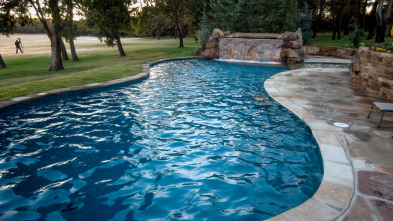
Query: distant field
x: 28, y: 72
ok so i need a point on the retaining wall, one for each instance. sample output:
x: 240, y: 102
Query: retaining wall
x: 373, y: 71
x: 331, y: 51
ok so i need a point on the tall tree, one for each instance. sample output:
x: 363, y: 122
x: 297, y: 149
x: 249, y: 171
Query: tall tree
x: 222, y: 14
x: 372, y: 21
x: 183, y: 13
x: 322, y: 4
x: 69, y: 30
x: 382, y: 15
x: 7, y: 22
x: 111, y: 17
x: 53, y: 8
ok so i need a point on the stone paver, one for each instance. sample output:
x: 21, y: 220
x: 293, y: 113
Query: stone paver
x: 358, y: 158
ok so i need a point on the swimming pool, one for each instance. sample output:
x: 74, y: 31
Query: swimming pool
x: 199, y: 139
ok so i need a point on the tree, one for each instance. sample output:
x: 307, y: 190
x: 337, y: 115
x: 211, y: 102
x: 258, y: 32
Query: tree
x: 111, y: 17
x: 223, y: 14
x: 253, y: 16
x: 304, y: 21
x: 53, y: 7
x: 183, y: 13
x: 7, y: 23
x: 150, y: 21
x: 382, y: 15
x: 319, y: 19
x: 69, y: 29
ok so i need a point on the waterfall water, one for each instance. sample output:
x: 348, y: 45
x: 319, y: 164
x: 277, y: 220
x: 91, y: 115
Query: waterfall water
x: 261, y: 50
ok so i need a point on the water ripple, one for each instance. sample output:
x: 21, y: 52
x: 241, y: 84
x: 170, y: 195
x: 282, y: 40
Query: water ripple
x: 198, y: 140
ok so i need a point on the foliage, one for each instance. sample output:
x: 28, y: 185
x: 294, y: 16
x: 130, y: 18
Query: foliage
x: 150, y: 21
x: 203, y: 33
x: 306, y: 23
x: 287, y: 12
x: 252, y: 16
x: 183, y: 14
x: 222, y: 14
x: 110, y: 17
x: 357, y: 36
x: 383, y: 48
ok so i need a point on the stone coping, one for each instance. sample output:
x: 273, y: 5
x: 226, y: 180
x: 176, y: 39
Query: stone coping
x: 331, y: 199
x: 335, y: 193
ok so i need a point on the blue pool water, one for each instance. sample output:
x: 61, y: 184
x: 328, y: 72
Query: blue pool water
x: 197, y: 140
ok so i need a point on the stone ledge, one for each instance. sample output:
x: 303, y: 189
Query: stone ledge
x: 335, y: 193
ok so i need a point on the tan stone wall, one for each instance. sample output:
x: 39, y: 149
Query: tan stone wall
x: 331, y: 51
x: 376, y: 72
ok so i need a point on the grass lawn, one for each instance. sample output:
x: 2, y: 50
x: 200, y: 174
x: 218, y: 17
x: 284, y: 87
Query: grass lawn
x: 326, y: 40
x: 29, y: 74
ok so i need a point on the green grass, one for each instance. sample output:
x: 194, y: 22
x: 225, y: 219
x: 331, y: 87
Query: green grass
x: 326, y: 40
x: 27, y: 75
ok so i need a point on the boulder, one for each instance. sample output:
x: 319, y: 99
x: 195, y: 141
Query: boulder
x: 210, y: 53
x: 299, y: 37
x: 289, y: 36
x: 212, y: 43
x: 355, y: 63
x: 217, y: 33
x: 289, y: 53
x: 255, y: 35
x: 292, y: 44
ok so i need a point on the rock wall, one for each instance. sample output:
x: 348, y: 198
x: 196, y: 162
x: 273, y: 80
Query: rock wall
x: 331, y: 51
x: 285, y: 48
x: 262, y: 50
x: 292, y: 51
x: 372, y: 71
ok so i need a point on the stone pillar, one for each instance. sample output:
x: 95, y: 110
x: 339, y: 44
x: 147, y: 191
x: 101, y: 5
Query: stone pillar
x: 212, y: 51
x: 292, y: 51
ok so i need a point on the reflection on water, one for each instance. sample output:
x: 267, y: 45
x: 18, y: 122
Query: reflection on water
x: 198, y: 140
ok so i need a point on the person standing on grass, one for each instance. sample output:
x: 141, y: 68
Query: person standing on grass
x: 20, y: 43
x: 17, y: 44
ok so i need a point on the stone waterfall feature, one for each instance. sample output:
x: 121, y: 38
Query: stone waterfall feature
x: 261, y: 47
x: 263, y: 50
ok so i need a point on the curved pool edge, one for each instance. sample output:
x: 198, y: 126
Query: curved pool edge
x: 338, y: 171
x: 337, y: 189
x: 142, y: 74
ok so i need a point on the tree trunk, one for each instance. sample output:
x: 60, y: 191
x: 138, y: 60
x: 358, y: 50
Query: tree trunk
x: 339, y: 20
x: 363, y: 16
x: 63, y: 50
x: 334, y: 31
x: 372, y: 21
x: 380, y: 33
x: 56, y: 63
x: 382, y: 17
x: 345, y: 23
x: 70, y: 11
x: 120, y: 47
x: 73, y: 51
x: 180, y: 33
x: 2, y: 64
x: 319, y: 18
